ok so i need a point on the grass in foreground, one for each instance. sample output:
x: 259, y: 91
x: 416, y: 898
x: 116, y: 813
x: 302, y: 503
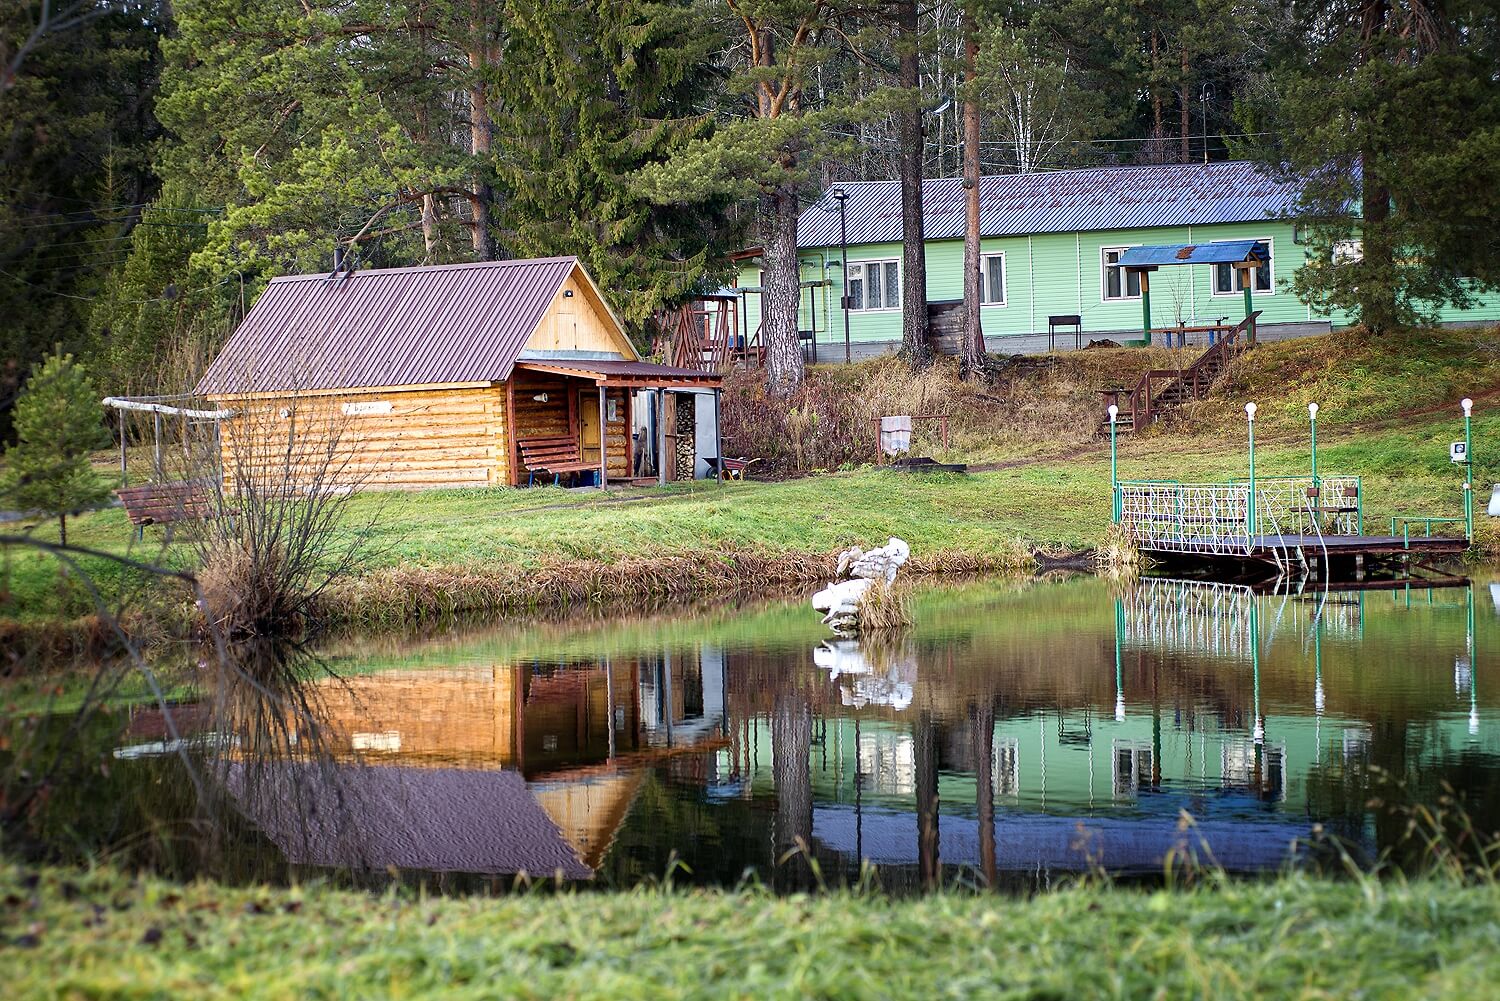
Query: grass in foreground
x: 103, y: 934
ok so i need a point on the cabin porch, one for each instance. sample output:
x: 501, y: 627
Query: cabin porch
x: 606, y: 422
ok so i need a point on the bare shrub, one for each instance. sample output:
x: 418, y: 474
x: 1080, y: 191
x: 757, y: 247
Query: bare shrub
x: 280, y: 473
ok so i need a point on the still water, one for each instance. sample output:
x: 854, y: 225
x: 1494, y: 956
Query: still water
x: 1019, y: 731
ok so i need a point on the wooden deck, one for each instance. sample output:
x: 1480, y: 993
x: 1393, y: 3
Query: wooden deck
x: 1267, y: 546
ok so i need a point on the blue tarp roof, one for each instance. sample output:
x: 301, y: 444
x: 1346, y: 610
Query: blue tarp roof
x: 1228, y: 252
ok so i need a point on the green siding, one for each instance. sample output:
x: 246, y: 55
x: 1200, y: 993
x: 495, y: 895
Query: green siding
x: 1053, y: 273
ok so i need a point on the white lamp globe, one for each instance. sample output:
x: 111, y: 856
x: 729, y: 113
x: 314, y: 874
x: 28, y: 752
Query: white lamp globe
x: 1250, y: 409
x: 1312, y: 410
x: 1114, y: 412
x: 1468, y: 406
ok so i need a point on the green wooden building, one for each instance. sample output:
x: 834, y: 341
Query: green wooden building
x: 1051, y: 243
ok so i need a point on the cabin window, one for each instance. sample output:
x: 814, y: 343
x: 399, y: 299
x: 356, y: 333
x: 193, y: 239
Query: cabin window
x: 1348, y: 251
x: 1118, y: 283
x: 875, y: 285
x: 1227, y: 280
x: 992, y: 279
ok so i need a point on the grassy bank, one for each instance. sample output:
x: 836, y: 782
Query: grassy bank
x: 1390, y: 413
x: 102, y: 934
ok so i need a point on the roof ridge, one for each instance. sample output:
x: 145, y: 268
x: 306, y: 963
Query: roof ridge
x: 413, y: 268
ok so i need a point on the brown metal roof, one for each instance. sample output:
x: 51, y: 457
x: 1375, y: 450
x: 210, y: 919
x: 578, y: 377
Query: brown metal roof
x: 454, y: 323
x: 625, y: 372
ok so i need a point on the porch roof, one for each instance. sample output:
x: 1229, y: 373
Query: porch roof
x: 635, y: 374
x: 1226, y: 252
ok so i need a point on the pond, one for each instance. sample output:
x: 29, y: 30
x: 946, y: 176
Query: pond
x: 1019, y: 732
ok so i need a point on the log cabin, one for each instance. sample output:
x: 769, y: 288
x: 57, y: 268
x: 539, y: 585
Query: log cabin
x: 462, y: 375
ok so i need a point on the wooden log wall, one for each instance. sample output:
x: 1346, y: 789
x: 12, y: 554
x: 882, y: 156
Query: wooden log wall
x: 381, y: 439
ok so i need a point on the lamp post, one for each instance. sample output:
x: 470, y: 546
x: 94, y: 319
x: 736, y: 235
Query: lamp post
x: 1312, y: 420
x: 1468, y: 406
x: 1250, y: 521
x: 1114, y: 465
x: 841, y: 196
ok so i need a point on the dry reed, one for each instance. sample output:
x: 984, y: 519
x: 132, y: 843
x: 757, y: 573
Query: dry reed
x: 641, y: 582
x: 885, y: 607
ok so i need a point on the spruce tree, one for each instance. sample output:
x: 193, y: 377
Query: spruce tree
x: 1389, y: 116
x: 58, y: 422
x: 600, y: 90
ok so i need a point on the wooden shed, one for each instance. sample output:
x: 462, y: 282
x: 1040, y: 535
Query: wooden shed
x: 444, y: 376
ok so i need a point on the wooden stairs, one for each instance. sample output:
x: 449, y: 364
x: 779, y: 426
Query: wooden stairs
x: 1161, y: 390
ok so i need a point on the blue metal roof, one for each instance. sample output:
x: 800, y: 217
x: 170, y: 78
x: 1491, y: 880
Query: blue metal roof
x: 1228, y: 252
x: 1064, y: 201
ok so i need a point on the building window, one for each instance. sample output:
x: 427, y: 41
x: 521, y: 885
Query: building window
x: 874, y: 285
x: 1119, y: 284
x: 1348, y: 251
x: 992, y: 279
x: 1227, y: 280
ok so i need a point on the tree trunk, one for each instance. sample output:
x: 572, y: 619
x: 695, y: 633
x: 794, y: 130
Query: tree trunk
x: 925, y: 748
x: 62, y: 529
x: 781, y: 291
x: 1377, y: 286
x: 982, y: 732
x: 1158, y: 128
x: 1185, y: 110
x: 971, y: 361
x: 481, y: 134
x: 914, y: 346
x: 791, y: 772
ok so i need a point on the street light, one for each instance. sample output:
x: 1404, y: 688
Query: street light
x: 1250, y: 523
x: 1114, y: 467
x: 841, y: 196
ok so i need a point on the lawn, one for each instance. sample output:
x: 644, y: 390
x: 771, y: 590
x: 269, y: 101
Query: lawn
x: 106, y: 934
x: 1389, y: 417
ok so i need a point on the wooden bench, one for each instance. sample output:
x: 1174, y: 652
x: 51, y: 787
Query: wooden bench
x: 552, y: 456
x: 166, y: 503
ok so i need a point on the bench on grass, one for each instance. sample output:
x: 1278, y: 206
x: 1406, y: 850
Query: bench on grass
x: 553, y: 457
x: 166, y: 503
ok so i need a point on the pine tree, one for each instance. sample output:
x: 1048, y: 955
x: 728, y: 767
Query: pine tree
x: 58, y: 422
x: 766, y: 151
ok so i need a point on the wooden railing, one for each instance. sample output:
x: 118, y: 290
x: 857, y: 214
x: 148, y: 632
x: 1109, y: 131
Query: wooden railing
x: 1161, y: 389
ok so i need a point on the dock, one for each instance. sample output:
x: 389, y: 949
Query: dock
x: 1289, y: 526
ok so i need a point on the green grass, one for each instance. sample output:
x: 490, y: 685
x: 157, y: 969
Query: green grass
x: 1389, y: 413
x: 103, y: 934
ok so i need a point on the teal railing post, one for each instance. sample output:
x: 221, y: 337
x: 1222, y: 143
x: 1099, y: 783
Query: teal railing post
x: 1468, y: 406
x: 1473, y: 667
x: 1250, y: 522
x: 1312, y: 420
x: 1119, y: 674
x: 1114, y: 465
x: 1258, y: 734
x: 1145, y: 306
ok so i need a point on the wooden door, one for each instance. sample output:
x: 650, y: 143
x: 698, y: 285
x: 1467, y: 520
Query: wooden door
x: 588, y: 412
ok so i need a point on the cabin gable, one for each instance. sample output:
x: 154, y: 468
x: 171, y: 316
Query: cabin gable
x: 578, y: 324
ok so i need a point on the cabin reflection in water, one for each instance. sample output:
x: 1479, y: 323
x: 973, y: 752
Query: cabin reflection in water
x: 972, y: 744
x: 527, y: 768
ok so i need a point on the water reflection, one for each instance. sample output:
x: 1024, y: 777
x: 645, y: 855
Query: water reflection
x: 1017, y: 731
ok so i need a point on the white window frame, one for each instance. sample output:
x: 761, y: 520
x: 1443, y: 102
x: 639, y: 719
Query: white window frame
x: 984, y: 279
x: 1104, y: 267
x: 1213, y: 279
x: 863, y: 267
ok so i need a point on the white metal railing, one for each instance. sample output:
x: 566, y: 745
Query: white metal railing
x: 1215, y: 518
x: 1196, y: 617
